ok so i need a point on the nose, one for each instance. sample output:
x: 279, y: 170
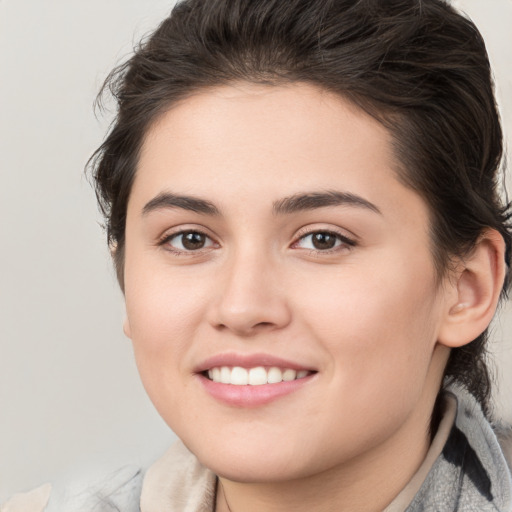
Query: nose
x: 251, y: 297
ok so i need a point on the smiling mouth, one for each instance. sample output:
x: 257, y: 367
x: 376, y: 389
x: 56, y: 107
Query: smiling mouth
x: 256, y: 376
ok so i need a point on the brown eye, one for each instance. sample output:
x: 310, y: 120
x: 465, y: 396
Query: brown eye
x: 188, y: 241
x: 324, y: 241
x: 193, y: 241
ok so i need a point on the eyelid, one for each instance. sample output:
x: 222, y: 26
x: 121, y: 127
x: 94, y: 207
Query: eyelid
x: 171, y: 233
x: 346, y: 241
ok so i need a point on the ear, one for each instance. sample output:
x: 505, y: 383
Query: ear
x: 117, y: 255
x: 126, y: 328
x: 475, y: 291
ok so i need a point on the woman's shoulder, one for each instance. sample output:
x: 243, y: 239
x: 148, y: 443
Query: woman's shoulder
x: 32, y: 501
x: 119, y: 490
x: 504, y: 434
x: 471, y: 473
x: 175, y: 479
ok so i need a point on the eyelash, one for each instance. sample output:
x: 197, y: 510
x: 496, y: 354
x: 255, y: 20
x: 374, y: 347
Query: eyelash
x: 179, y: 252
x: 344, y: 241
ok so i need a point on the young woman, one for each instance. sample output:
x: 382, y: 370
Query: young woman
x: 301, y: 201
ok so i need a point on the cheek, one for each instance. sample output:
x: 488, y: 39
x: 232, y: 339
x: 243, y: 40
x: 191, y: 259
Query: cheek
x: 161, y: 335
x: 162, y: 306
x: 378, y: 322
x: 379, y: 335
x: 163, y: 313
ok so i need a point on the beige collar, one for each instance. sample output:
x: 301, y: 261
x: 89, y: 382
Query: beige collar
x: 402, y: 501
x: 178, y: 481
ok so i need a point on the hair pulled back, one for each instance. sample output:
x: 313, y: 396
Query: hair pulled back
x: 417, y: 66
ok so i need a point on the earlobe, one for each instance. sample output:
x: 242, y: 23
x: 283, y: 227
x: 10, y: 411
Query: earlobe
x: 477, y: 286
x: 126, y: 328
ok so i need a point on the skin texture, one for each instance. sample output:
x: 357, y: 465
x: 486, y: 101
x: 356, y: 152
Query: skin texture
x: 369, y: 316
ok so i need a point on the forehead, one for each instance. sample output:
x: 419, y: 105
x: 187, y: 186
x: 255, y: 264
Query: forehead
x: 281, y: 117
x: 245, y: 143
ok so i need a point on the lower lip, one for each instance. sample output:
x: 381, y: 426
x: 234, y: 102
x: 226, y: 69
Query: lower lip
x: 251, y: 396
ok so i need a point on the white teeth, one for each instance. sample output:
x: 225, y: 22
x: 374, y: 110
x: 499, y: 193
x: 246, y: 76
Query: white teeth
x: 225, y: 375
x: 257, y: 376
x: 289, y: 375
x: 239, y: 376
x: 274, y: 375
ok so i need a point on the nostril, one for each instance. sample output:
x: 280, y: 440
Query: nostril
x: 264, y: 324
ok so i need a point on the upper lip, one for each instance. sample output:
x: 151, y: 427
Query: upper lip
x: 249, y: 361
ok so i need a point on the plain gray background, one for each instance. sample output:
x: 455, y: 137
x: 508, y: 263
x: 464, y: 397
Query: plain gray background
x: 70, y: 397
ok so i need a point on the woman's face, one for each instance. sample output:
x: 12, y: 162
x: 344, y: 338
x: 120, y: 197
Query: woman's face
x: 269, y: 238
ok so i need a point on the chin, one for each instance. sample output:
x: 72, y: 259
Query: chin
x: 254, y: 471
x: 248, y: 462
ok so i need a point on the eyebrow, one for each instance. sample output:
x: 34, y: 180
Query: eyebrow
x: 313, y: 200
x: 287, y: 205
x: 168, y: 200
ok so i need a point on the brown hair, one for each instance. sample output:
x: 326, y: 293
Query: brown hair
x: 418, y: 66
